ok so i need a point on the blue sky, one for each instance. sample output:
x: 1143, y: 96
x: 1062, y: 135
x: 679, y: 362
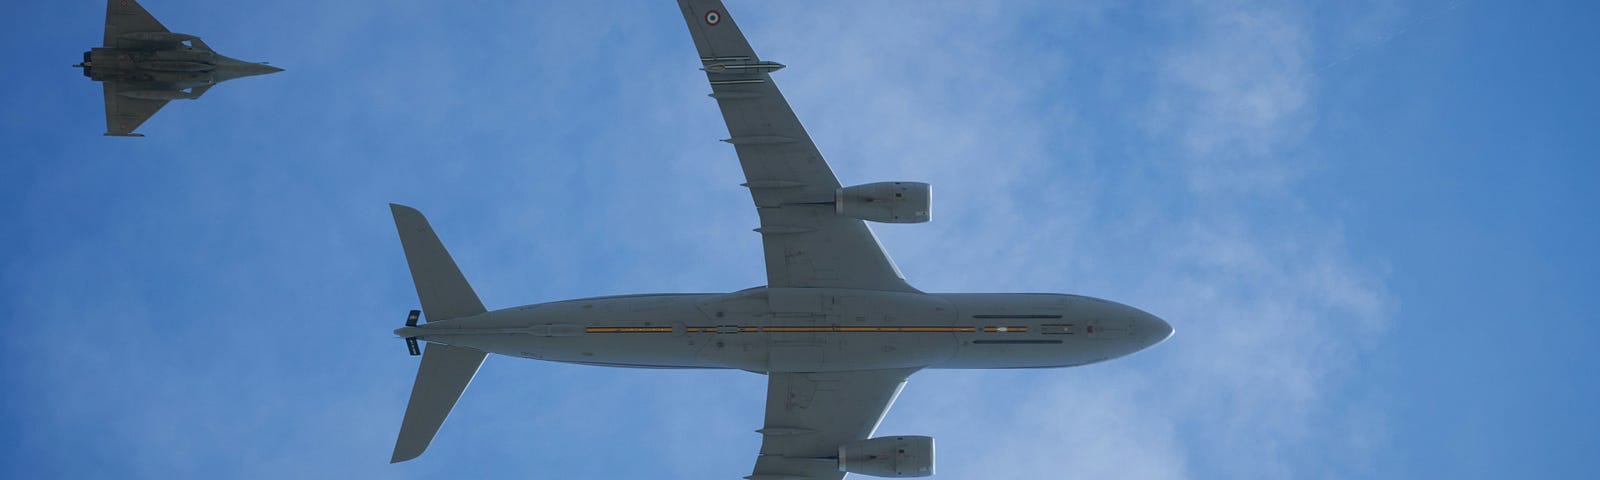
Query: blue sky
x: 1371, y: 223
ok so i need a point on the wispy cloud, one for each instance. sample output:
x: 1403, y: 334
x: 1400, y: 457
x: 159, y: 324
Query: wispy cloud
x: 1180, y: 199
x: 1146, y: 154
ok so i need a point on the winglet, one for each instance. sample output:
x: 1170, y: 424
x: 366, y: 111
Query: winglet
x: 716, y: 37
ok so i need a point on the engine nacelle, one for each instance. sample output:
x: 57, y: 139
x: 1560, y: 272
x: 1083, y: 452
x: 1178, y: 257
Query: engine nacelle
x: 901, y: 456
x: 887, y: 202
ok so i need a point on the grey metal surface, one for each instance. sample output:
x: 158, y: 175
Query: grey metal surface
x: 445, y: 370
x: 809, y: 415
x: 128, y: 16
x: 442, y: 377
x: 125, y: 114
x: 861, y: 330
x: 443, y: 291
x: 805, y: 243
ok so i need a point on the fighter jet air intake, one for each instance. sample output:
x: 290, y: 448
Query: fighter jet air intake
x: 837, y: 330
x: 143, y: 66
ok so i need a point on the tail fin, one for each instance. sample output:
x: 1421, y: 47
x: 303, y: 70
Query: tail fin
x: 445, y: 370
x: 444, y: 293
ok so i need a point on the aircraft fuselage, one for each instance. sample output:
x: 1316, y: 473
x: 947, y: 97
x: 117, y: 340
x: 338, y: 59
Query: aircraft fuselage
x: 810, y: 330
x: 180, y: 68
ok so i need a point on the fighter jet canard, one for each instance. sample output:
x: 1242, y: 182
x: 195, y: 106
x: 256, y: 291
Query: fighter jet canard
x: 836, y: 330
x: 143, y: 66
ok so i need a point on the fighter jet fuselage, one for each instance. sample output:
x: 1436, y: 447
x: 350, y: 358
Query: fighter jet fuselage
x: 176, y: 70
x: 143, y: 65
x: 810, y: 330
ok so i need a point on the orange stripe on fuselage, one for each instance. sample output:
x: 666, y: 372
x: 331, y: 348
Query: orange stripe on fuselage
x: 811, y: 329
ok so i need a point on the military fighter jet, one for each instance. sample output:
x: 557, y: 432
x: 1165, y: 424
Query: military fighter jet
x: 836, y: 329
x: 143, y: 65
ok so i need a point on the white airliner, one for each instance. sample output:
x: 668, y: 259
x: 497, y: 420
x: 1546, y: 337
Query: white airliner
x: 836, y: 330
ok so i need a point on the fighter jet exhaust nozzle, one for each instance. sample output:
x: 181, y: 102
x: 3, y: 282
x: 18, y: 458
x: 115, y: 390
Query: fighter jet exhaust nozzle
x: 86, y: 65
x: 411, y: 342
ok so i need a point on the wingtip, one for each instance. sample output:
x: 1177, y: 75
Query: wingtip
x: 407, y: 215
x: 402, y: 453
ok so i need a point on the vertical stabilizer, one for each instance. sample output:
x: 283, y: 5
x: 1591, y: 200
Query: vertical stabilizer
x: 445, y: 370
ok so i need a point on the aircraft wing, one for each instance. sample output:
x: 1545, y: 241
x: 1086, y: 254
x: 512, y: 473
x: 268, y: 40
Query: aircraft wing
x: 127, y: 16
x: 806, y: 243
x: 123, y: 114
x: 809, y: 415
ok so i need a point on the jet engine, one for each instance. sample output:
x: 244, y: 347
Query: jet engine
x: 887, y: 202
x: 907, y: 456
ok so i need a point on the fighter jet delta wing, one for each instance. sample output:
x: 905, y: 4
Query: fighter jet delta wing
x: 125, y: 17
x: 806, y: 243
x: 125, y: 114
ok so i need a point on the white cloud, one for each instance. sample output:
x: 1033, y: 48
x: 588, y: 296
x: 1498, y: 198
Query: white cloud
x: 1199, y: 223
x: 1145, y: 154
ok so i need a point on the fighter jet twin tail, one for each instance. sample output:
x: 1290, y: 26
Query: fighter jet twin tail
x: 836, y: 330
x: 143, y: 66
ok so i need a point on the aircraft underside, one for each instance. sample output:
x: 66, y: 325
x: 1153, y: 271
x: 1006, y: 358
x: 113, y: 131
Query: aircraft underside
x: 837, y: 329
x: 741, y: 331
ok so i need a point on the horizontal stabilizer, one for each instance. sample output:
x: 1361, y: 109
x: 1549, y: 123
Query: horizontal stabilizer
x: 444, y: 374
x: 441, y: 288
x: 445, y: 370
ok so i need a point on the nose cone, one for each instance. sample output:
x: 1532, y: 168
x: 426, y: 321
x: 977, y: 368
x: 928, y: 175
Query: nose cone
x: 228, y: 69
x: 252, y: 69
x: 1151, y: 329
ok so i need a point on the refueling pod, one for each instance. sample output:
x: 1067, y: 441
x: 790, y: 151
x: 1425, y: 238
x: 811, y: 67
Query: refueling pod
x: 900, y: 456
x: 887, y: 202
